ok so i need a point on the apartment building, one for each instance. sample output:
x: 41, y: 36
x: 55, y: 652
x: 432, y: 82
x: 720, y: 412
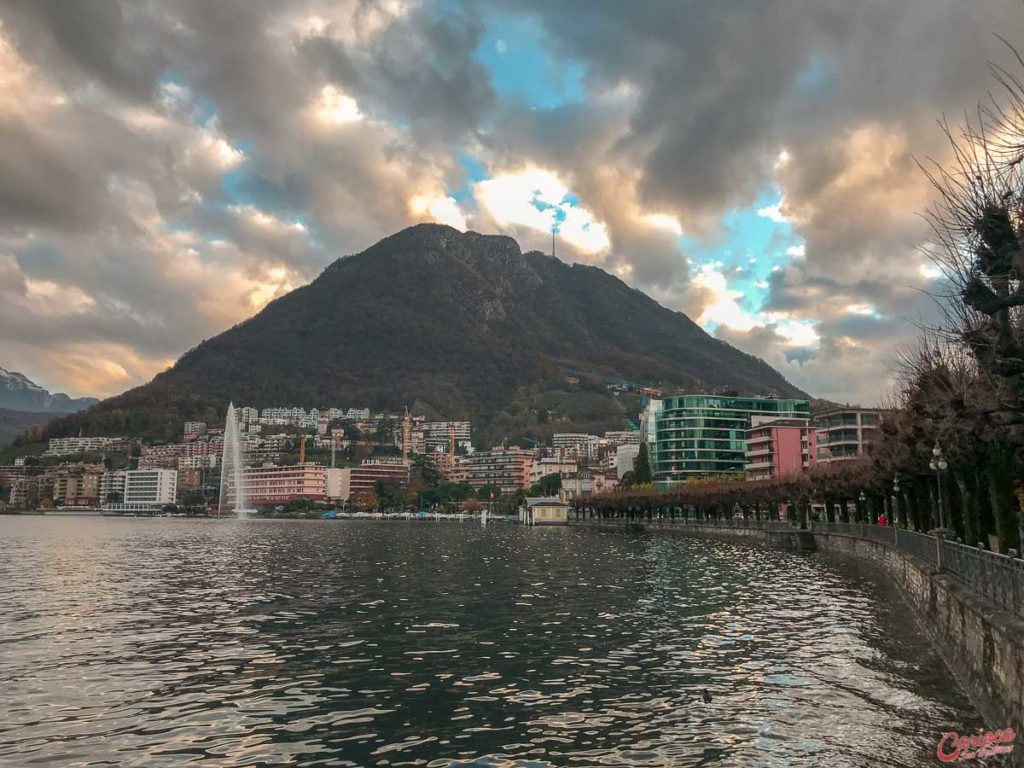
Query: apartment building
x: 582, y: 445
x: 551, y: 465
x: 75, y: 485
x: 67, y: 446
x: 506, y: 468
x: 699, y: 435
x: 623, y: 437
x: 780, y: 448
x: 354, y: 484
x: 146, y: 491
x: 264, y: 486
x: 843, y: 433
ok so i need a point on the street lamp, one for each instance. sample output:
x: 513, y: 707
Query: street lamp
x: 863, y: 509
x: 896, y: 499
x: 938, y: 465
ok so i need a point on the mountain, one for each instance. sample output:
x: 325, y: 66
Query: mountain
x: 454, y: 324
x: 19, y: 393
x: 13, y: 423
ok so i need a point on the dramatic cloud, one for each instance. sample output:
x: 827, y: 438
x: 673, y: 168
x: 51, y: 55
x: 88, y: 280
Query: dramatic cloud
x: 168, y: 168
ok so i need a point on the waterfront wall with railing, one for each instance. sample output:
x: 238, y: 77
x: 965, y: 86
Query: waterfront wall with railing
x: 968, y: 600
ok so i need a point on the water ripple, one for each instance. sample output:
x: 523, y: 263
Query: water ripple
x: 164, y: 642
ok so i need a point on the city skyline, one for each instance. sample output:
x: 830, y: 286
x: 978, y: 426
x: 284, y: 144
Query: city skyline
x: 754, y: 169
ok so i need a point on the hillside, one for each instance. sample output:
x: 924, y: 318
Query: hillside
x: 14, y: 422
x: 460, y: 324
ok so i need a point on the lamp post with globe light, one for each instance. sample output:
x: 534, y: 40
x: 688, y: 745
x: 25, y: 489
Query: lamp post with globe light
x: 896, y: 499
x: 938, y: 465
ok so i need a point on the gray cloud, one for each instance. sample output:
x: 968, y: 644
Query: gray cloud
x: 119, y: 121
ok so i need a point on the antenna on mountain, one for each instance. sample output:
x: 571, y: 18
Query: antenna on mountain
x: 553, y: 230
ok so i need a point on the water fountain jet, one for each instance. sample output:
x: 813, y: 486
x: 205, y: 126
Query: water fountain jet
x: 232, y: 490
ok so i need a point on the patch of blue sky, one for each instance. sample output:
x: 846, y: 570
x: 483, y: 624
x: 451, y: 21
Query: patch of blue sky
x: 472, y: 172
x: 514, y: 52
x: 201, y: 109
x: 745, y: 249
x: 241, y: 186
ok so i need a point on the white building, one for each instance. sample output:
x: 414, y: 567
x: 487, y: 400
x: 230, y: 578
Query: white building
x: 623, y: 437
x: 248, y: 414
x: 625, y: 456
x: 209, y: 461
x: 583, y: 445
x: 147, y: 490
x: 66, y: 446
x: 437, y: 435
x: 551, y: 465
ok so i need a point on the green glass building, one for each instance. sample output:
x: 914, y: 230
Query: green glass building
x: 697, y: 435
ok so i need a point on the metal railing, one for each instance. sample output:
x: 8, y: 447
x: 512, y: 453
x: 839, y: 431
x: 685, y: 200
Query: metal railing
x: 998, y: 578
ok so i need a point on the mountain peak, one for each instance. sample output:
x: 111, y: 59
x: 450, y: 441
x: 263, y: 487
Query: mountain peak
x: 454, y: 324
x: 14, y: 381
x: 20, y: 393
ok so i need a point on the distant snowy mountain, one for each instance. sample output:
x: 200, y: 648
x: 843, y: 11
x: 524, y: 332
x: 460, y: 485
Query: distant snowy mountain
x: 20, y: 393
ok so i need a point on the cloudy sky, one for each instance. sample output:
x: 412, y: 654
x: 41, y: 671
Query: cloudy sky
x: 168, y: 168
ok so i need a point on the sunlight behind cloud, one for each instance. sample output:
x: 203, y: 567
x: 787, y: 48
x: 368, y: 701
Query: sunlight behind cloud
x: 538, y: 199
x: 442, y: 210
x: 335, y: 107
x: 722, y: 307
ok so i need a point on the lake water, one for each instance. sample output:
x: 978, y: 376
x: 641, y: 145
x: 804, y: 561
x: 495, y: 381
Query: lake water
x: 162, y: 642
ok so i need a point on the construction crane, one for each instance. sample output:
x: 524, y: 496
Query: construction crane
x: 406, y: 435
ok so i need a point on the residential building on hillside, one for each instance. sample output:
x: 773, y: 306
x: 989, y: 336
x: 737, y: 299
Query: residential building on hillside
x: 194, y: 429
x: 844, y: 432
x: 248, y: 414
x: 437, y: 434
x: 9, y: 472
x: 25, y: 492
x: 551, y: 465
x: 699, y: 435
x: 780, y: 448
x: 209, y: 461
x: 507, y: 468
x: 66, y: 446
x: 161, y: 456
x: 623, y: 437
x: 582, y: 445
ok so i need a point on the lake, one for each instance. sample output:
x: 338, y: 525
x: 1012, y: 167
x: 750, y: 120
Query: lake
x: 166, y: 642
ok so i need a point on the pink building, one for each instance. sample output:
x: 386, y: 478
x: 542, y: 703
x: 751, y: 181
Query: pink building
x: 279, y: 485
x: 780, y: 448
